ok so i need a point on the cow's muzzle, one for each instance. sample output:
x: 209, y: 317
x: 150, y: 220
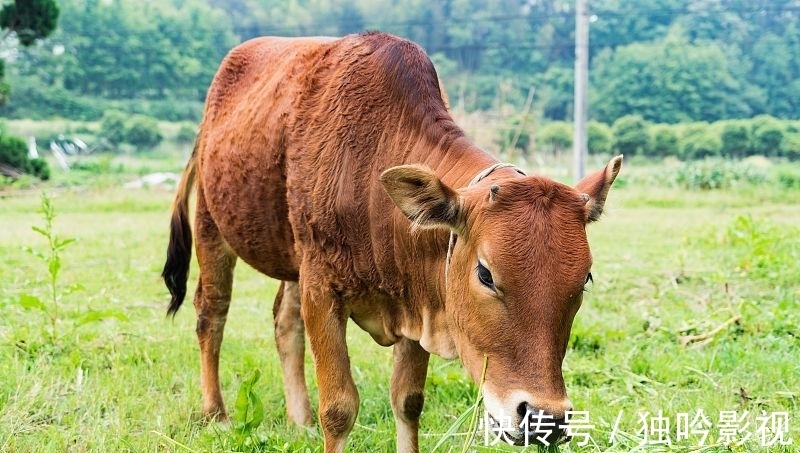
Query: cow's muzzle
x: 538, y: 427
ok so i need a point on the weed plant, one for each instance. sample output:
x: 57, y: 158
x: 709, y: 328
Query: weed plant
x: 49, y: 304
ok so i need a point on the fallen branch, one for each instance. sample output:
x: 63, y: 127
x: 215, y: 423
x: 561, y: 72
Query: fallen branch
x: 686, y: 340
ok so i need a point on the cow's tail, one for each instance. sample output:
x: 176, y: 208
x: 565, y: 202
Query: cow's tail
x: 179, y: 251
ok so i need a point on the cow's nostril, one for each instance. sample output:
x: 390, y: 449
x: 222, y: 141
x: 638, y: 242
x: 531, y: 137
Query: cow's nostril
x: 540, y: 426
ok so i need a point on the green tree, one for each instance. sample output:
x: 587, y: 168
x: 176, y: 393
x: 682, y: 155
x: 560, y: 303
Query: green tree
x: 663, y: 141
x: 630, y: 135
x: 619, y: 23
x: 791, y: 144
x: 151, y: 50
x: 555, y: 136
x: 186, y: 133
x: 349, y: 18
x: 14, y: 158
x: 700, y: 146
x: 778, y: 72
x: 551, y: 25
x: 667, y: 82
x: 699, y: 141
x: 112, y: 126
x: 138, y: 130
x: 142, y: 132
x: 714, y: 20
x: 767, y: 136
x: 29, y: 20
x: 735, y: 138
x: 557, y: 93
x: 514, y: 135
x: 600, y: 137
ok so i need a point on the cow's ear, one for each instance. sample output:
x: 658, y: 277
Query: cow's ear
x: 595, y: 187
x: 424, y: 199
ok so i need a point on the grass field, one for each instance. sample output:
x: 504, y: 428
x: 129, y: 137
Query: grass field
x: 692, y: 326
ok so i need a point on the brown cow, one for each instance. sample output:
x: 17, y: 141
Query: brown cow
x: 334, y: 165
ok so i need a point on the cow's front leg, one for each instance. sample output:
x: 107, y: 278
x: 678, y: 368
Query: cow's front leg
x: 325, y: 323
x: 407, y: 392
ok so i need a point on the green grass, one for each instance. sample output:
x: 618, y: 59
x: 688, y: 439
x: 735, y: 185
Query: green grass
x: 669, y: 263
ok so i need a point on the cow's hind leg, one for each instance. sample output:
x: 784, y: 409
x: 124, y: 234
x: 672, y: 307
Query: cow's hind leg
x: 211, y: 301
x: 290, y: 339
x: 407, y: 392
x: 325, y: 322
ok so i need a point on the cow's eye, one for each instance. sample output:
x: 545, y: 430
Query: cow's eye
x: 485, y: 276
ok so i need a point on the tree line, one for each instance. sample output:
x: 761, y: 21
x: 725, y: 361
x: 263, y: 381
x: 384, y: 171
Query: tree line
x: 668, y: 61
x: 632, y: 135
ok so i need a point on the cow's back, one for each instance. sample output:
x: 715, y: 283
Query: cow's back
x: 300, y: 129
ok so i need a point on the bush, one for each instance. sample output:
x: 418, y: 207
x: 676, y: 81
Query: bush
x: 711, y: 174
x: 767, y: 136
x: 14, y: 153
x: 731, y: 139
x: 142, y: 131
x: 663, y: 141
x: 735, y: 139
x: 38, y: 167
x: 600, y: 137
x: 767, y: 141
x: 699, y: 141
x: 555, y: 136
x: 186, y: 133
x: 630, y: 135
x: 138, y: 130
x: 788, y: 178
x: 514, y: 134
x: 790, y: 147
x: 112, y: 126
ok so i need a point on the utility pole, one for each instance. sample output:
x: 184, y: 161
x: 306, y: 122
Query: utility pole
x: 580, y: 140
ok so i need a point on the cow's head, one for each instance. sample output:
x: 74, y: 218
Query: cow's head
x: 514, y: 282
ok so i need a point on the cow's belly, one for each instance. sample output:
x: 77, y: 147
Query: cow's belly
x: 246, y: 196
x: 266, y: 245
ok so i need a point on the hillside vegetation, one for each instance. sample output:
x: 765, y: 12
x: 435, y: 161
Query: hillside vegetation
x: 666, y: 60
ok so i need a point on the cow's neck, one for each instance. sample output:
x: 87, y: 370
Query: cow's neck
x: 459, y: 163
x: 455, y: 166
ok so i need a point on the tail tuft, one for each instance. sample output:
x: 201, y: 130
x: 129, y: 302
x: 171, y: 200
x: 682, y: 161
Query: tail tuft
x: 179, y: 250
x: 179, y: 255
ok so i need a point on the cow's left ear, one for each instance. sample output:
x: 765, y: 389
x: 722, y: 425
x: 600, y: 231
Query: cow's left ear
x: 596, y: 186
x: 424, y: 199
